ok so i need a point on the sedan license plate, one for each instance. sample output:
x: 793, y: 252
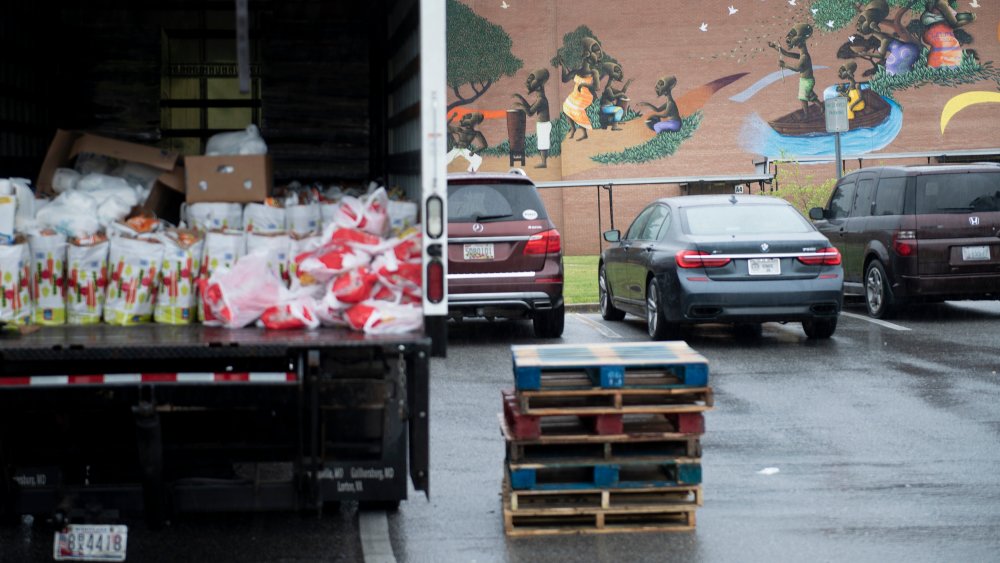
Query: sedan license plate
x: 765, y: 266
x: 87, y: 542
x: 478, y: 251
x: 971, y: 253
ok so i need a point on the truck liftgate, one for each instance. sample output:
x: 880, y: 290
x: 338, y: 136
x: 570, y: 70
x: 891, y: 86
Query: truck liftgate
x: 99, y: 421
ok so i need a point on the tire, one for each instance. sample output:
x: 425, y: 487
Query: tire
x: 550, y: 324
x: 820, y: 328
x: 657, y: 325
x: 879, y: 301
x: 608, y: 311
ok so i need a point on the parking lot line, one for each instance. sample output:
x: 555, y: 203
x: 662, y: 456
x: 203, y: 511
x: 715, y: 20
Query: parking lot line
x: 373, y: 527
x: 605, y: 331
x: 879, y: 322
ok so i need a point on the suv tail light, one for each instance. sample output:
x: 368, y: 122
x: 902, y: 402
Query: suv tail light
x: 823, y: 257
x: 548, y: 242
x: 905, y: 243
x: 699, y: 259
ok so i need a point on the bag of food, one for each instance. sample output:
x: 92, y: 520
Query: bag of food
x: 222, y: 249
x: 239, y: 296
x: 276, y: 249
x: 290, y: 316
x: 323, y: 264
x: 177, y: 298
x: 262, y: 218
x: 303, y: 220
x: 15, y: 283
x: 214, y: 216
x: 48, y: 257
x: 86, y: 280
x: 369, y: 213
x: 134, y: 266
x: 384, y: 318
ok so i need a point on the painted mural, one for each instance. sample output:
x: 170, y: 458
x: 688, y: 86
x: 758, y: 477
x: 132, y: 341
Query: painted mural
x: 589, y: 90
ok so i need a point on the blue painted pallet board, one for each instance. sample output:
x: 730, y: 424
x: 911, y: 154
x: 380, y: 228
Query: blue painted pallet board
x: 609, y: 365
x: 601, y: 475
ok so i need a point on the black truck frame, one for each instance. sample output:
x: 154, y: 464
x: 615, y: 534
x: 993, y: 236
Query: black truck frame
x: 98, y: 421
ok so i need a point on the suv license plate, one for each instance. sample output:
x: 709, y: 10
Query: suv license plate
x: 765, y: 266
x: 85, y: 542
x: 975, y: 253
x: 478, y: 251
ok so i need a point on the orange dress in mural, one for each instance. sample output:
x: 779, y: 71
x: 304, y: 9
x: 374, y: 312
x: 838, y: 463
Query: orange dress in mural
x: 579, y: 100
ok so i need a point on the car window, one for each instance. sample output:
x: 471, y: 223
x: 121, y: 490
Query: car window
x: 635, y: 229
x: 657, y: 218
x: 841, y: 201
x: 863, y: 199
x: 889, y: 196
x: 958, y: 193
x: 745, y: 219
x: 469, y: 203
x: 665, y: 226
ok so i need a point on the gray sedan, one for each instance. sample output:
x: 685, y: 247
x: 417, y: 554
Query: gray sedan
x: 717, y: 258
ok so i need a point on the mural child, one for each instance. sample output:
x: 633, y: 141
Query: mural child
x: 666, y: 117
x: 941, y: 20
x: 466, y: 140
x: 850, y: 90
x: 543, y: 124
x: 613, y: 100
x: 796, y: 39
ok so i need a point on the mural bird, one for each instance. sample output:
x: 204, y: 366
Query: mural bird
x: 791, y: 2
x: 732, y: 10
x: 504, y: 5
x: 974, y: 3
x: 704, y: 26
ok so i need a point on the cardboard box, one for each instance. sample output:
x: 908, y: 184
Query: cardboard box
x: 228, y: 178
x: 168, y: 189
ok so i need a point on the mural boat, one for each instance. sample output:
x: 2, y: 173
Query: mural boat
x: 876, y: 111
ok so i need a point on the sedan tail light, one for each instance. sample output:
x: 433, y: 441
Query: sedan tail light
x: 548, y: 242
x: 699, y: 259
x: 905, y: 243
x: 823, y: 257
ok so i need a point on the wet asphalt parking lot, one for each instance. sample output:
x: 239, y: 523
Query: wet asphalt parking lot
x: 881, y: 444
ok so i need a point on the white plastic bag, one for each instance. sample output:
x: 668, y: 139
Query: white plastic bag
x: 86, y: 279
x: 247, y: 141
x: 238, y: 297
x: 48, y: 264
x: 370, y: 213
x: 134, y: 266
x: 73, y: 214
x: 379, y: 317
x: 222, y: 249
x: 65, y: 179
x: 276, y: 249
x: 177, y: 298
x: 402, y: 215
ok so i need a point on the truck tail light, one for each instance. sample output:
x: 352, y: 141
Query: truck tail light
x: 699, y: 259
x: 823, y: 257
x: 435, y: 281
x: 548, y: 242
x: 905, y: 243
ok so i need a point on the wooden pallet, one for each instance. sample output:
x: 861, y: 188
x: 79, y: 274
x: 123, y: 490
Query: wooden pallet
x: 536, y: 513
x: 633, y: 364
x: 615, y: 401
x: 628, y: 473
x: 570, y: 439
x: 574, y: 424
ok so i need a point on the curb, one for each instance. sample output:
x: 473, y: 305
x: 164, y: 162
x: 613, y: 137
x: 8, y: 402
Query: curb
x: 583, y: 308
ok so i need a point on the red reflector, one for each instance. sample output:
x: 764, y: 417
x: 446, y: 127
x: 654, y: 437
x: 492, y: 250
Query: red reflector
x: 548, y: 242
x: 698, y: 259
x: 435, y: 281
x: 823, y: 257
x: 548, y: 280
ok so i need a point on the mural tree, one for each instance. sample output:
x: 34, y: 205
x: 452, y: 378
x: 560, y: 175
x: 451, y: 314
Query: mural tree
x: 479, y: 54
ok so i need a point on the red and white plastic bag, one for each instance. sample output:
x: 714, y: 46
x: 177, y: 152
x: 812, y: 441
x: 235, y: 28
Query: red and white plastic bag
x: 222, y: 249
x: 296, y: 315
x: 276, y: 248
x: 240, y: 296
x: 378, y: 317
x: 369, y: 213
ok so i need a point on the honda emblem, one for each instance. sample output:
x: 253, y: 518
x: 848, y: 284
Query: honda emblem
x: 973, y: 220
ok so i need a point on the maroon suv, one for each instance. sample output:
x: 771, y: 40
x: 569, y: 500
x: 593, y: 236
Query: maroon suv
x: 504, y: 254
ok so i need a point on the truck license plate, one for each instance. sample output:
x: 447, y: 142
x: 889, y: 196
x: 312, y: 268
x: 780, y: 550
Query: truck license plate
x: 86, y: 542
x: 765, y: 266
x: 975, y: 253
x: 478, y: 251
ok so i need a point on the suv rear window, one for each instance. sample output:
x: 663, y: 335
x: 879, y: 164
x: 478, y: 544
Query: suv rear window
x: 473, y: 203
x: 958, y: 193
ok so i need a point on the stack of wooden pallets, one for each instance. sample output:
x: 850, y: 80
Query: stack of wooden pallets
x: 604, y: 438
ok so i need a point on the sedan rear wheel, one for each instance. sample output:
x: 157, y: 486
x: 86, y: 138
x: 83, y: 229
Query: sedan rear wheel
x: 550, y: 324
x: 878, y: 295
x: 608, y: 311
x: 820, y: 328
x: 656, y: 323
